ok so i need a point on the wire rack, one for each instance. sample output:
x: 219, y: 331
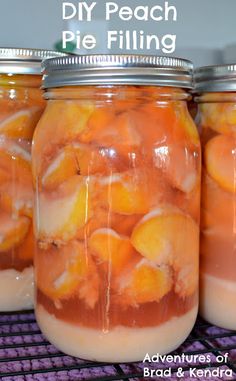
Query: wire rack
x: 25, y: 355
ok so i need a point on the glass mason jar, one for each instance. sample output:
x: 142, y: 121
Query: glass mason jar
x: 21, y: 105
x: 116, y: 166
x: 217, y: 122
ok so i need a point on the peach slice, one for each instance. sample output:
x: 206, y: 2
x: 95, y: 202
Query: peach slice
x: 12, y: 231
x: 108, y: 131
x: 72, y: 272
x: 169, y: 126
x: 15, y: 163
x: 145, y: 283
x: 169, y: 120
x: 98, y: 124
x: 60, y: 214
x: 108, y: 246
x: 61, y: 123
x: 158, y: 116
x: 219, y: 116
x: 103, y: 218
x: 218, y: 207
x: 100, y: 218
x: 168, y: 236
x: 220, y: 161
x: 21, y: 124
x: 93, y: 160
x: 125, y: 193
x: 60, y: 169
x: 75, y: 159
x: 179, y: 165
x: 153, y: 237
x: 187, y: 125
x: 16, y: 199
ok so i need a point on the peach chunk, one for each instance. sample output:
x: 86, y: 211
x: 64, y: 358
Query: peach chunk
x: 92, y: 160
x: 187, y: 124
x: 168, y: 236
x: 118, y: 132
x: 12, y: 231
x: 220, y: 161
x: 16, y: 199
x: 125, y: 193
x: 168, y: 123
x: 145, y: 283
x: 157, y: 117
x: 15, y: 163
x: 218, y: 207
x: 75, y: 159
x: 108, y: 246
x: 219, y: 116
x: 103, y: 218
x: 61, y: 213
x: 99, y: 219
x: 179, y: 164
x: 72, y: 272
x: 153, y: 236
x: 61, y: 123
x: 60, y: 169
x: 21, y: 124
x: 98, y: 123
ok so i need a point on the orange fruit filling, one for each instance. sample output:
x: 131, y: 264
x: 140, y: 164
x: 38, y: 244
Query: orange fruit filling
x: 21, y: 107
x: 218, y: 133
x: 108, y: 180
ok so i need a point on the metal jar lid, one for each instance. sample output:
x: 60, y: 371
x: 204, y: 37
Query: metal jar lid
x: 24, y: 61
x: 215, y: 78
x: 117, y: 70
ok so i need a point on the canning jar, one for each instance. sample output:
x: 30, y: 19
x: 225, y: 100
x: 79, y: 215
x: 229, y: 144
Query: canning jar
x: 217, y: 122
x: 116, y: 167
x: 21, y: 105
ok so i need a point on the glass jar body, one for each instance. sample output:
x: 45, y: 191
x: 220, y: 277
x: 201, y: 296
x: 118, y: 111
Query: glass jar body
x: 217, y: 122
x: 117, y: 177
x: 21, y: 106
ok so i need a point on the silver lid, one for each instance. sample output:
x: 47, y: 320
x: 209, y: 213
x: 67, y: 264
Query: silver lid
x: 117, y: 70
x: 215, y: 78
x: 24, y: 61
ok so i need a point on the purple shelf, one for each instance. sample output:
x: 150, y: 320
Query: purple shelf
x: 25, y: 355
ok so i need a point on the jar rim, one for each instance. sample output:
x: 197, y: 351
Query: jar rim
x: 215, y: 78
x: 15, y: 61
x: 115, y: 69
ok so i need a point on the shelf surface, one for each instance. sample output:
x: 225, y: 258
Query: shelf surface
x: 25, y: 355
